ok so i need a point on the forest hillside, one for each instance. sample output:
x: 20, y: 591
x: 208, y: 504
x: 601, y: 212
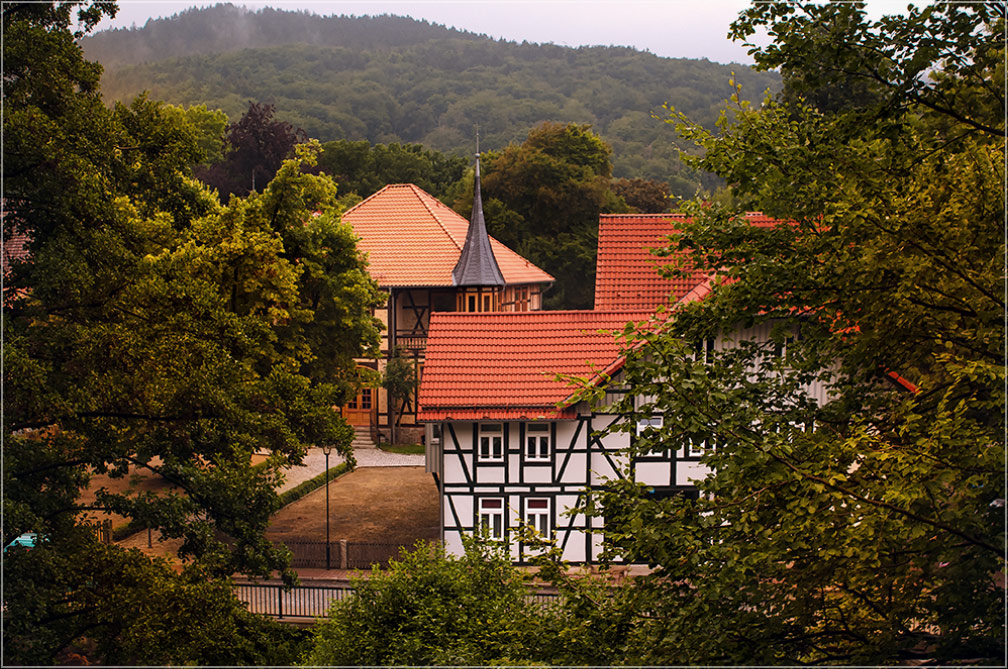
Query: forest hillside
x: 394, y: 79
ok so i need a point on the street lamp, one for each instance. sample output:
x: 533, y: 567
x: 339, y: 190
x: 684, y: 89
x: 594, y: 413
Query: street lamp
x: 327, y: 449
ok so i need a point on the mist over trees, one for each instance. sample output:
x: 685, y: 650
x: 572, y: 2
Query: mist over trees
x: 396, y: 80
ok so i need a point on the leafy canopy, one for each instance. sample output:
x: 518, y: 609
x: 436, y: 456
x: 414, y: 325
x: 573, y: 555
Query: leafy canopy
x: 543, y: 198
x: 150, y: 330
x: 864, y: 524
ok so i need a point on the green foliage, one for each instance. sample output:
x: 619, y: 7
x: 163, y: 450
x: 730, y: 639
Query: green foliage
x: 395, y: 80
x: 864, y: 525
x: 645, y: 196
x: 151, y: 328
x: 403, y: 449
x: 400, y: 377
x: 429, y: 608
x: 210, y: 128
x: 363, y: 169
x: 131, y: 608
x: 312, y: 484
x: 256, y: 145
x: 432, y: 609
x: 543, y: 198
x: 400, y: 380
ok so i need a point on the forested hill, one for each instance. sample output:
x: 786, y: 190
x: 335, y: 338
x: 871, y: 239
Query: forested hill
x: 225, y: 27
x: 394, y: 79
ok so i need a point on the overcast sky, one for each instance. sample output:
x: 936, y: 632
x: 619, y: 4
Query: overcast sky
x: 673, y: 28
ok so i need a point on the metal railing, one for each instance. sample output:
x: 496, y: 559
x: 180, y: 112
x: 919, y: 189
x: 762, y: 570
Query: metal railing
x: 312, y: 601
x: 302, y: 601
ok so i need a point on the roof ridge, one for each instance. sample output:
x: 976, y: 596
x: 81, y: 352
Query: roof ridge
x: 541, y: 312
x: 417, y: 191
x: 374, y: 194
x: 628, y: 215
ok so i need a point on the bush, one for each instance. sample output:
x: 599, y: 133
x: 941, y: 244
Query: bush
x: 429, y: 608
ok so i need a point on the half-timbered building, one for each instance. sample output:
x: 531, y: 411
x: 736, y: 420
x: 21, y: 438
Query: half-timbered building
x: 510, y: 447
x: 429, y: 259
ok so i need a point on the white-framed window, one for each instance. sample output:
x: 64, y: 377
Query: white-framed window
x: 695, y: 449
x: 781, y: 347
x: 537, y: 515
x: 491, y: 516
x: 491, y: 442
x: 703, y: 351
x: 537, y: 442
x: 643, y: 424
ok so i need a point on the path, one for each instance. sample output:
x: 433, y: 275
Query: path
x: 367, y: 456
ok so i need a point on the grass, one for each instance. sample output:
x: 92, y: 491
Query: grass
x: 305, y: 487
x: 403, y: 449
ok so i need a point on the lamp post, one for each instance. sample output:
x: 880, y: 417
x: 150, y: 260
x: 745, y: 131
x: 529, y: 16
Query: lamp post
x: 327, y: 449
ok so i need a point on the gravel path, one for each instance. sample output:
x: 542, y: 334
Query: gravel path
x: 314, y: 463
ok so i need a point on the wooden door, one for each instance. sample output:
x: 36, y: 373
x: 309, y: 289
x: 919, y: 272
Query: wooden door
x: 358, y: 410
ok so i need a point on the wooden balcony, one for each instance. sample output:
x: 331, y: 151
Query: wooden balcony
x: 411, y: 341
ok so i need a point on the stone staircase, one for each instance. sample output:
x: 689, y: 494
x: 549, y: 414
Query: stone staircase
x: 362, y: 437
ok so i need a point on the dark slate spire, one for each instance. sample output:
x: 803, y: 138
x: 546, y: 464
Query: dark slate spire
x: 477, y: 265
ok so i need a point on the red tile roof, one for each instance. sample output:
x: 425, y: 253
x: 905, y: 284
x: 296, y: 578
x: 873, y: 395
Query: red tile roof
x: 413, y: 239
x: 502, y: 366
x: 626, y: 271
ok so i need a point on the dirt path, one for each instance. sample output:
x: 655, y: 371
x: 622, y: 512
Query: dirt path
x: 380, y: 504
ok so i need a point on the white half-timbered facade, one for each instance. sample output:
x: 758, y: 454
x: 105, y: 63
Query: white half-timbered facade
x: 507, y: 445
x: 504, y: 448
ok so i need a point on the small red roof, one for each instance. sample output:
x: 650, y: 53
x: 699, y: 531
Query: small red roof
x: 502, y: 366
x: 413, y: 239
x: 627, y: 272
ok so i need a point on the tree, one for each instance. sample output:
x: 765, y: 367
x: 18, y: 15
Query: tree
x: 135, y: 610
x: 865, y: 526
x: 363, y: 169
x: 431, y: 608
x: 400, y: 380
x: 543, y: 199
x: 257, y: 145
x: 210, y: 127
x: 150, y: 329
x: 644, y: 195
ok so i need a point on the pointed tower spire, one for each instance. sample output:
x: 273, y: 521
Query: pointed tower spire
x: 477, y: 265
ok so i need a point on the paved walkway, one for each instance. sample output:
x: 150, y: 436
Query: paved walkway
x: 314, y: 463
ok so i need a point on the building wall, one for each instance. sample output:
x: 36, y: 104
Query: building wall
x: 406, y: 320
x: 579, y: 459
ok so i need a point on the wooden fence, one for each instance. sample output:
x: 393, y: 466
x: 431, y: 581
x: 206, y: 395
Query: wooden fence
x: 342, y: 554
x: 102, y: 530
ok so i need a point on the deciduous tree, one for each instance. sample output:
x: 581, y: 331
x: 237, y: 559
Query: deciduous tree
x: 543, y: 198
x: 866, y: 525
x: 151, y: 329
x: 256, y: 146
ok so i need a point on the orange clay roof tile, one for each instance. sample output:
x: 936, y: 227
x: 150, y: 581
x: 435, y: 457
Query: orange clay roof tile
x: 413, y: 239
x: 502, y: 366
x: 626, y: 274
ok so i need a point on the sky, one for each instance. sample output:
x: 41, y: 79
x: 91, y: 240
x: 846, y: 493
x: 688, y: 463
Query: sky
x: 671, y: 28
